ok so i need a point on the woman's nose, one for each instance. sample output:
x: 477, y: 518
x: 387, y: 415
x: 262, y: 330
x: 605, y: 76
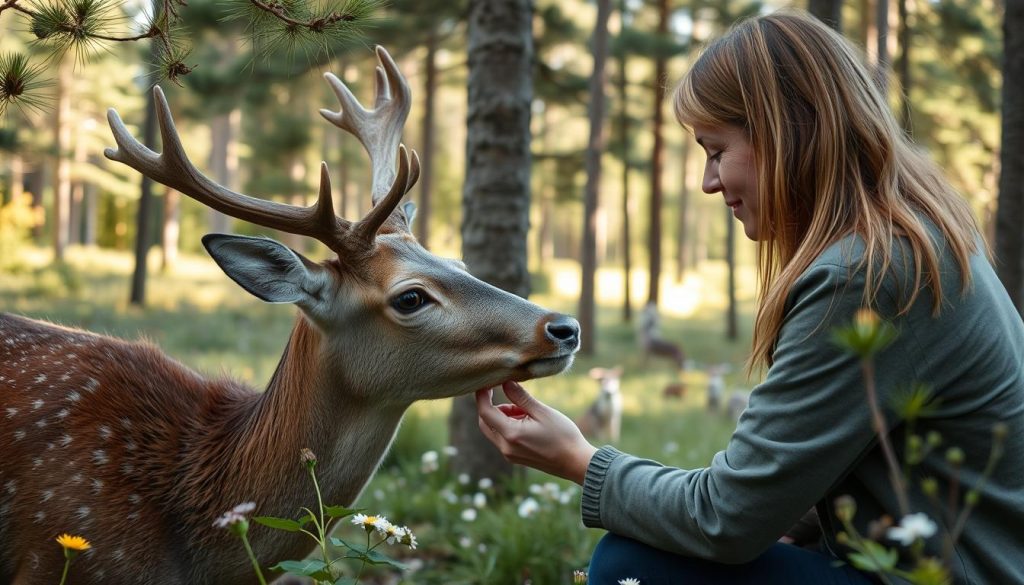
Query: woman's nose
x: 711, y: 183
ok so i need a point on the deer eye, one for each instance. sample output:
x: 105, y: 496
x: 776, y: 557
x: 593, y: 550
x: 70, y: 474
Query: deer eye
x: 410, y: 301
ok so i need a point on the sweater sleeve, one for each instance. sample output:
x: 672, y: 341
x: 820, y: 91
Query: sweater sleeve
x: 804, y: 427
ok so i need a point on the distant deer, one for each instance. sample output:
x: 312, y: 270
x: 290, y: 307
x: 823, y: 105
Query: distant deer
x: 603, y: 419
x: 716, y: 386
x: 117, y: 442
x: 651, y: 341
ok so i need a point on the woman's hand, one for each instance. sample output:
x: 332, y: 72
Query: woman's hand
x: 529, y: 432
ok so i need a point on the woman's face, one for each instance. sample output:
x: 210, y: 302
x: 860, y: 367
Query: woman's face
x: 730, y: 170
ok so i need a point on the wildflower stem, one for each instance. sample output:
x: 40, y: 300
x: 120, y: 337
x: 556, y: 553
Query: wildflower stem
x: 994, y: 456
x: 252, y: 558
x: 878, y: 419
x: 321, y: 526
x: 67, y: 565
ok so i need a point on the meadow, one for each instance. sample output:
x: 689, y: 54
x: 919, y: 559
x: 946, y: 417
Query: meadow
x: 467, y: 532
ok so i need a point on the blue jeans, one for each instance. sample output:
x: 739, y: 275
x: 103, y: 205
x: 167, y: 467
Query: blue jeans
x: 617, y: 557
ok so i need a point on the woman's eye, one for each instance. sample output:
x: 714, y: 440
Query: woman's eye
x: 715, y: 156
x: 409, y: 301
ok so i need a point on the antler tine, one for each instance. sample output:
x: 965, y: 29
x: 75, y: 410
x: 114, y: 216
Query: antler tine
x: 174, y: 169
x: 379, y: 129
x: 368, y: 226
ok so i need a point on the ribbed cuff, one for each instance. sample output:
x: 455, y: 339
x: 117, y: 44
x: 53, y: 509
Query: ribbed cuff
x: 590, y: 504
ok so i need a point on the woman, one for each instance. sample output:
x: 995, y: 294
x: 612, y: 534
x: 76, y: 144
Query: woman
x: 847, y: 214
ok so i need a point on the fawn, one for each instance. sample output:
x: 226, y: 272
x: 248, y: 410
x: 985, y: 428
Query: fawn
x: 603, y: 419
x: 117, y: 442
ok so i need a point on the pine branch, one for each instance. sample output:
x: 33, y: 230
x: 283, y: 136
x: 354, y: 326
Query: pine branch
x: 81, y: 25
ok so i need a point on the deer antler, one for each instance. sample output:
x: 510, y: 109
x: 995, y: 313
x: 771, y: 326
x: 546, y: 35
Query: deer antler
x: 379, y: 130
x: 174, y: 169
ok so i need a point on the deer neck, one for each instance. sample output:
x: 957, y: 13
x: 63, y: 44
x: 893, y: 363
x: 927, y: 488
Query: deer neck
x: 306, y: 405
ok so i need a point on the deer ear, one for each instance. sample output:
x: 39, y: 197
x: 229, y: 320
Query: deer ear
x: 267, y: 269
x: 409, y: 208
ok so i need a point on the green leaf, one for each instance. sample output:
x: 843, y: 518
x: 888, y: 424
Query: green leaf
x: 310, y: 568
x: 346, y: 581
x: 874, y: 557
x: 279, y: 523
x: 339, y: 511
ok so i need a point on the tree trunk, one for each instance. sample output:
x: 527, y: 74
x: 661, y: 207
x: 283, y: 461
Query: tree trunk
x: 427, y: 153
x: 1009, y: 246
x: 62, y: 161
x: 595, y: 148
x: 496, y: 194
x: 627, y: 251
x: 223, y: 162
x: 142, y: 220
x: 654, y: 243
x: 903, y: 67
x: 828, y: 11
x: 683, y: 231
x: 883, y: 64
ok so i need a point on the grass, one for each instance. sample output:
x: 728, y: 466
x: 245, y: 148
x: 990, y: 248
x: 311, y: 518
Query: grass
x: 200, y: 317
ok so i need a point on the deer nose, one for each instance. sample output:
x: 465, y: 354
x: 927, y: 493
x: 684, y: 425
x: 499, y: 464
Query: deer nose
x: 564, y: 330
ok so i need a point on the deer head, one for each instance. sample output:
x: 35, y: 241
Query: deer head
x: 384, y: 303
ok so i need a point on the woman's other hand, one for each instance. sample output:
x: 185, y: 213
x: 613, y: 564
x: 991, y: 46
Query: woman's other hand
x: 529, y: 432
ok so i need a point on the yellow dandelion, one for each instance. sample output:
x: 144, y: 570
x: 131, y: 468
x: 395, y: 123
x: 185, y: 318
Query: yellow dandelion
x: 75, y: 543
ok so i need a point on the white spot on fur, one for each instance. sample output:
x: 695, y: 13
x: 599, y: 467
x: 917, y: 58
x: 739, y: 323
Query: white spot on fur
x: 126, y: 422
x: 127, y: 468
x: 19, y: 435
x: 65, y: 440
x: 133, y: 516
x: 40, y: 516
x: 37, y: 404
x: 11, y: 486
x: 130, y: 445
x: 63, y: 413
x: 37, y: 462
x: 83, y: 512
x: 11, y: 412
x: 118, y: 554
x: 105, y: 432
x: 47, y: 495
x: 99, y: 457
x: 97, y: 486
x: 41, y: 423
x: 65, y: 377
x: 91, y: 385
x: 134, y: 498
x: 74, y: 396
x: 40, y: 378
x: 76, y: 478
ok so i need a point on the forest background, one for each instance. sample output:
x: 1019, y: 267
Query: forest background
x: 613, y: 214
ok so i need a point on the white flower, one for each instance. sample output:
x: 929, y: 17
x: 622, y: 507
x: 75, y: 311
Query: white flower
x: 469, y: 514
x: 485, y: 483
x: 428, y: 462
x: 479, y: 500
x: 408, y: 538
x: 912, y: 527
x: 629, y: 581
x: 464, y: 478
x: 370, y: 523
x: 671, y: 447
x: 449, y: 496
x: 450, y: 451
x: 235, y: 516
x: 465, y: 541
x: 395, y: 534
x: 528, y: 508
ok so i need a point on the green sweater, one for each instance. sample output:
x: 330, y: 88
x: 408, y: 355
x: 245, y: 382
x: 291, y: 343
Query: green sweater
x: 806, y: 436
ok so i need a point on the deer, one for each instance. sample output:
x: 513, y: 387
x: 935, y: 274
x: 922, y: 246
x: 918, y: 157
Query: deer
x: 603, y: 418
x: 117, y: 442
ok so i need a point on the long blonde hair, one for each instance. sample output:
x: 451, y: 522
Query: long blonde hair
x: 831, y: 161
